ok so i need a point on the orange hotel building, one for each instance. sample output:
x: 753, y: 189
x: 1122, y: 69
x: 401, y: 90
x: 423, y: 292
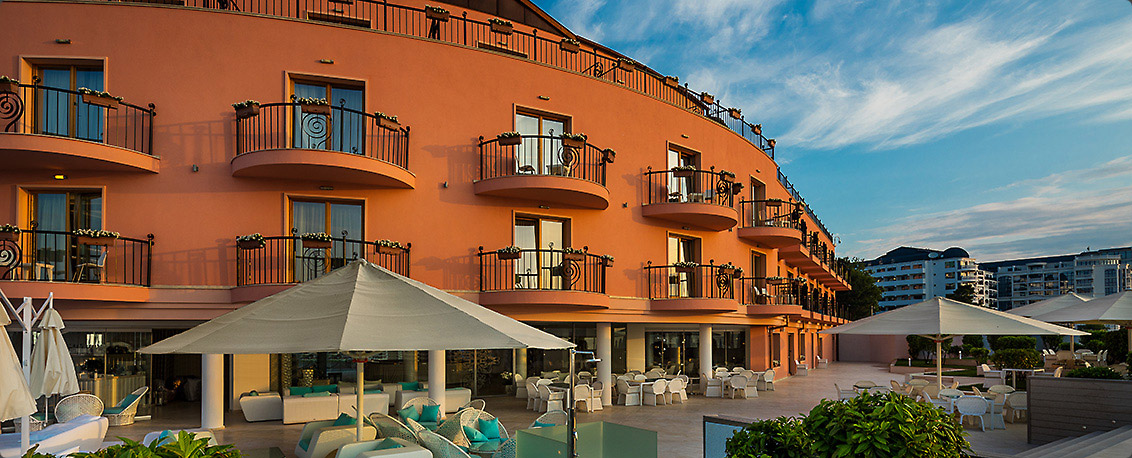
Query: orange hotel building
x: 450, y: 128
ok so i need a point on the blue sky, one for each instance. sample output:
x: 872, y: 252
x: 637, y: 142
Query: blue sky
x: 1001, y: 127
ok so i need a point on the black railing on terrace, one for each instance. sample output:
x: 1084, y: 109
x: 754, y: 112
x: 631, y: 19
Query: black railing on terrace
x: 771, y: 291
x: 292, y: 125
x: 542, y: 155
x: 542, y: 269
x: 771, y: 213
x: 42, y: 110
x: 785, y: 182
x: 701, y: 281
x: 290, y: 259
x: 701, y: 186
x: 41, y: 255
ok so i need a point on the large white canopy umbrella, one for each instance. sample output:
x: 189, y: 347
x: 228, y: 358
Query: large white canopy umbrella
x: 1048, y: 305
x: 15, y: 398
x: 941, y: 319
x: 358, y: 309
x: 52, y: 370
x: 1111, y: 309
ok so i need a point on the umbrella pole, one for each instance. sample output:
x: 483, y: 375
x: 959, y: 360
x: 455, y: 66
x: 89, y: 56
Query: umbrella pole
x: 361, y: 395
x: 939, y: 363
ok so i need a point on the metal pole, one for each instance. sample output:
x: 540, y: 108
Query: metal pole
x: 25, y: 325
x: 361, y: 395
x: 570, y: 423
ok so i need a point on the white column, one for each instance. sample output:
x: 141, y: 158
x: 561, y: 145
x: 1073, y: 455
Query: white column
x: 436, y: 382
x: 705, y: 350
x: 605, y: 366
x: 212, y: 391
x: 635, y: 346
x: 521, y: 362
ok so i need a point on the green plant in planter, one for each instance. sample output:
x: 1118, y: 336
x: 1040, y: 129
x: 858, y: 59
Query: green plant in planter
x: 1017, y: 358
x: 103, y: 94
x: 9, y: 228
x: 1094, y: 372
x: 184, y: 445
x: 882, y: 426
x: 781, y: 437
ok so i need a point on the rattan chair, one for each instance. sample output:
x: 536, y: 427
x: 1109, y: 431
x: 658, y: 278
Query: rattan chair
x: 123, y: 413
x: 508, y: 450
x: 441, y: 447
x: 390, y: 427
x: 422, y: 401
x: 75, y: 405
x: 554, y: 417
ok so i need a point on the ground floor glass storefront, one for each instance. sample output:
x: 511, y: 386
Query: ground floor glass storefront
x: 678, y: 352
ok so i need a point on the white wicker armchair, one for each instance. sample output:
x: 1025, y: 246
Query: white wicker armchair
x: 554, y: 417
x: 73, y: 406
x: 123, y: 413
x: 320, y: 438
x: 441, y: 447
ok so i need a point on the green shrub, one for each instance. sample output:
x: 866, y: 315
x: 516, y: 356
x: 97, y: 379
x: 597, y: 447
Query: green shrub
x: 980, y: 354
x: 917, y: 345
x: 1094, y: 372
x: 1018, y: 342
x: 1017, y: 358
x: 1096, y: 344
x: 782, y: 437
x: 1116, y: 342
x: 992, y: 342
x: 882, y: 426
x: 184, y: 446
x: 1051, y: 342
x: 1063, y: 346
x: 954, y: 350
x: 972, y: 342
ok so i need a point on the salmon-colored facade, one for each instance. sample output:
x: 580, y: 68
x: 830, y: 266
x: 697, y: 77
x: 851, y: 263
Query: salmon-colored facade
x: 193, y: 176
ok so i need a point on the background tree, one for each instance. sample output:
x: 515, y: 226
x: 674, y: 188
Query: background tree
x: 864, y: 299
x: 964, y: 293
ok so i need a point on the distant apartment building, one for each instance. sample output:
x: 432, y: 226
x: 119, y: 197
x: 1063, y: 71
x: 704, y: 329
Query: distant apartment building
x: 909, y: 275
x: 1090, y: 273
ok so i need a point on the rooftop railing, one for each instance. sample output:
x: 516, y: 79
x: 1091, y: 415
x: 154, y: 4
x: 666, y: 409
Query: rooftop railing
x: 43, y: 110
x: 542, y: 269
x: 691, y: 185
x: 322, y: 127
x: 543, y: 155
x: 291, y: 259
x: 70, y: 256
x: 688, y: 281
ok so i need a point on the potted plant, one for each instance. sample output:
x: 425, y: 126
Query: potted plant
x: 771, y: 143
x: 501, y: 26
x: 316, y: 240
x: 509, y: 138
x: 436, y: 13
x: 95, y: 237
x: 509, y: 252
x: 389, y: 247
x: 608, y: 155
x: 735, y: 113
x: 573, y: 140
x: 672, y: 81
x: 99, y: 98
x: 570, y: 45
x: 758, y: 128
x: 774, y: 202
x: 387, y: 121
x: 731, y: 269
x: 627, y: 64
x: 9, y: 232
x: 607, y: 259
x: 726, y: 175
x: 707, y: 98
x: 246, y: 109
x: 251, y: 242
x: 685, y: 267
x: 313, y: 106
x: 9, y: 84
x: 683, y: 171
x: 573, y: 254
x: 736, y: 188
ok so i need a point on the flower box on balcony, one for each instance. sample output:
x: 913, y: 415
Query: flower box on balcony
x: 735, y: 113
x: 387, y: 121
x: 390, y: 247
x: 509, y: 138
x: 94, y: 241
x: 570, y: 46
x: 11, y: 236
x: 758, y: 129
x: 608, y: 155
x: 436, y: 13
x: 316, y: 244
x: 9, y: 85
x: 101, y: 100
x: 683, y: 172
x: 247, y: 112
x: 771, y: 143
x: 574, y: 256
x: 511, y: 252
x: 315, y: 109
x: 726, y: 176
x: 573, y: 140
x: 672, y: 81
x: 685, y: 269
x: 627, y: 65
x: 501, y: 26
x: 707, y: 98
x: 250, y: 244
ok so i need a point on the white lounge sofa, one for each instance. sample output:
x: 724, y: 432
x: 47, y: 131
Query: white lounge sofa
x: 301, y: 409
x: 320, y: 438
x: 454, y: 398
x: 82, y: 434
x: 374, y: 402
x: 369, y: 449
x: 262, y: 407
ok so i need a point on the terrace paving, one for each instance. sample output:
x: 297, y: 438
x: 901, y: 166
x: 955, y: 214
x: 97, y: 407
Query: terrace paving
x: 679, y: 425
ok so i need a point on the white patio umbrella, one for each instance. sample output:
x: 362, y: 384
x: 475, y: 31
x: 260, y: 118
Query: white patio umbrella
x: 15, y: 398
x: 358, y: 309
x: 52, y: 370
x: 1111, y: 309
x: 1049, y: 305
x: 941, y: 319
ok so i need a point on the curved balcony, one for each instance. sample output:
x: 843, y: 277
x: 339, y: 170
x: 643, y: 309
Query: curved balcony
x: 703, y: 288
x: 543, y: 277
x: 327, y: 144
x: 700, y: 198
x: 782, y: 296
x: 772, y: 223
x: 289, y: 259
x: 60, y: 130
x: 544, y: 168
x: 67, y: 259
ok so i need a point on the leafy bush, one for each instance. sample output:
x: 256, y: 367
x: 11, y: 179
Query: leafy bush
x: 917, y: 345
x: 883, y: 426
x: 992, y: 342
x: 1063, y: 346
x: 1116, y: 342
x: 973, y: 342
x: 782, y: 437
x: 1051, y: 342
x: 1094, y: 372
x: 1014, y: 342
x: 980, y: 354
x: 1017, y: 358
x: 185, y: 445
x: 954, y: 350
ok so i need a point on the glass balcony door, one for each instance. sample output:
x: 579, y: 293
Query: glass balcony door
x: 343, y: 130
x: 680, y: 187
x: 340, y: 221
x: 540, y: 156
x: 64, y: 113
x: 541, y: 269
x: 54, y: 253
x: 681, y: 249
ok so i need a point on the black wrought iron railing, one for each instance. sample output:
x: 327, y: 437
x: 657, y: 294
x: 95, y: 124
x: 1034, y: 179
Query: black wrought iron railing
x: 785, y: 181
x: 771, y: 213
x: 542, y: 155
x: 43, y: 110
x: 290, y: 259
x: 42, y: 255
x: 701, y: 186
x: 542, y: 269
x: 701, y: 281
x: 772, y: 291
x: 330, y: 128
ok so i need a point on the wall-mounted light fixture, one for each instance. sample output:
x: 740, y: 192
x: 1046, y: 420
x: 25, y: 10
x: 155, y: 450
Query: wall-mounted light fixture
x: 62, y: 41
x: 543, y: 97
x: 326, y: 188
x: 326, y: 61
x: 60, y: 176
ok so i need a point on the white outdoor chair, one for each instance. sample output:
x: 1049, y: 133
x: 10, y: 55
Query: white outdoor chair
x: 655, y: 373
x: 1016, y: 405
x: 628, y: 395
x: 96, y: 266
x: 550, y: 400
x: 947, y: 399
x: 713, y: 386
x: 553, y: 418
x: 738, y: 384
x: 998, y: 411
x: 973, y: 406
x: 766, y: 381
x: 822, y: 363
x: 320, y: 438
x: 844, y: 394
x: 992, y: 377
x: 652, y: 394
x: 532, y: 394
x: 520, y: 387
x: 77, y: 405
x: 802, y: 369
x: 585, y: 377
x: 639, y: 378
x: 582, y: 394
x: 677, y: 391
x: 597, y: 389
x: 123, y: 413
x: 737, y: 369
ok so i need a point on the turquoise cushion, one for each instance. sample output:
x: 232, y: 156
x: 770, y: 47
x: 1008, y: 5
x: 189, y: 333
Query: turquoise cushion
x: 113, y: 410
x: 539, y: 424
x: 345, y: 419
x: 490, y: 428
x: 164, y: 435
x: 473, y: 434
x: 409, y: 412
x: 429, y: 425
x: 316, y: 394
x: 326, y: 388
x: 430, y: 413
x: 126, y: 401
x: 411, y: 386
x: 300, y: 390
x: 387, y: 444
x: 303, y: 444
x: 487, y: 445
x: 373, y: 390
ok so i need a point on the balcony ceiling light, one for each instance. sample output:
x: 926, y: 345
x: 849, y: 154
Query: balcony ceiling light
x: 60, y: 176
